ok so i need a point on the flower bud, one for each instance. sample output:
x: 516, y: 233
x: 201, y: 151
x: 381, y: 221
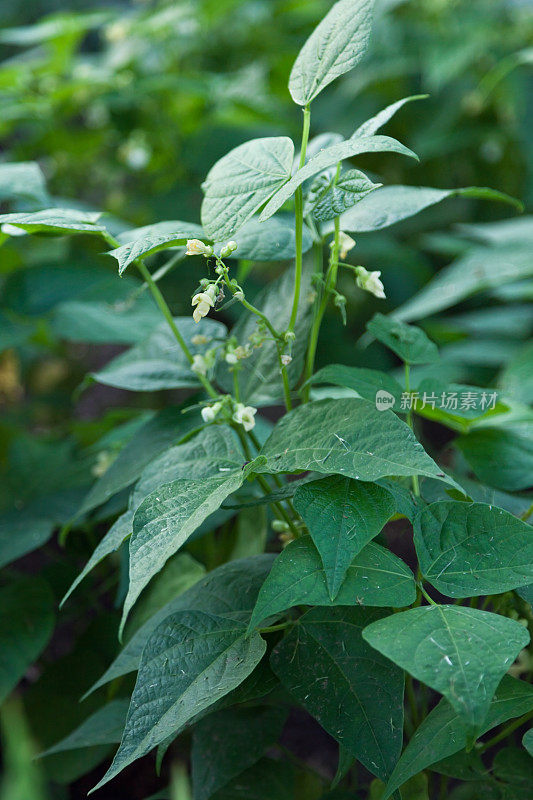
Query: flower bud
x: 346, y: 243
x: 286, y: 360
x: 370, y: 282
x: 228, y: 249
x: 199, y: 365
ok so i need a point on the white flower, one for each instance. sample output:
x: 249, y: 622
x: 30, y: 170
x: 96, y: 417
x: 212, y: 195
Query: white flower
x: 286, y: 360
x: 199, y: 365
x: 209, y: 413
x: 228, y: 249
x: 197, y: 248
x: 370, y: 282
x: 199, y: 339
x: 244, y: 415
x: 346, y: 243
x: 231, y: 358
x: 203, y: 301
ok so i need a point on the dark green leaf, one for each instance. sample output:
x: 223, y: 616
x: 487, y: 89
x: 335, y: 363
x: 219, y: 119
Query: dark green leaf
x: 408, y: 342
x: 366, y: 382
x: 105, y: 726
x: 469, y: 549
x: 376, y: 577
x: 21, y: 534
x: 342, y: 516
x: 461, y: 652
x: 267, y: 780
x: 214, y: 656
x: 355, y: 694
x: 501, y: 457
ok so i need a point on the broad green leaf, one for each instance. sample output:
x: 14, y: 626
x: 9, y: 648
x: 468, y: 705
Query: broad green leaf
x: 350, y: 437
x: 259, y: 375
x: 481, y: 269
x: 152, y: 243
x: 373, y: 124
x: 239, y: 736
x: 342, y: 516
x: 366, y: 382
x: 472, y: 549
x: 336, y: 45
x: 273, y: 240
x: 105, y: 726
x: 408, y: 342
x: 20, y: 535
x: 26, y: 625
x: 214, y: 657
x: 375, y: 577
x: 500, y: 457
x: 348, y: 190
x: 159, y: 362
x: 228, y: 590
x: 392, y: 204
x: 527, y: 741
x: 269, y: 779
x: 238, y: 185
x: 460, y: 652
x: 443, y: 732
x: 102, y: 322
x: 329, y: 156
x: 513, y: 767
x: 167, y: 517
x: 325, y: 655
x: 458, y: 406
x: 23, y: 180
x: 166, y: 227
x: 168, y: 426
x: 59, y: 221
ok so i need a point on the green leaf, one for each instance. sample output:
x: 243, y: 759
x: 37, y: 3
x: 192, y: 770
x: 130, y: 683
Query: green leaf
x: 500, y: 457
x: 325, y: 657
x: 527, y: 741
x: 229, y: 590
x: 269, y: 779
x: 443, y: 732
x: 408, y: 342
x: 239, y: 736
x: 23, y: 180
x: 240, y: 182
x: 152, y: 243
x: 158, y: 362
x: 516, y: 381
x: 348, y: 190
x: 392, y: 204
x: 26, y: 625
x: 350, y: 437
x: 214, y: 657
x: 273, y: 240
x: 20, y: 535
x: 514, y: 767
x: 472, y: 549
x: 329, y: 156
x: 336, y: 45
x: 259, y: 376
x: 462, y: 653
x: 105, y: 726
x: 342, y: 516
x: 458, y: 406
x: 59, y: 221
x: 366, y: 382
x: 481, y: 269
x: 167, y: 517
x: 373, y: 124
x: 376, y: 577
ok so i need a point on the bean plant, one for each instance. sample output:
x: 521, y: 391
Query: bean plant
x: 259, y: 579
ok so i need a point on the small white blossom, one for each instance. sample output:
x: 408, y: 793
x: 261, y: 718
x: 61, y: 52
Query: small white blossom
x: 231, y: 358
x: 199, y: 339
x: 203, y: 301
x: 243, y: 352
x: 209, y: 413
x: 199, y: 365
x: 370, y: 282
x: 228, y: 249
x: 346, y: 243
x: 244, y: 415
x: 197, y: 248
x: 286, y: 360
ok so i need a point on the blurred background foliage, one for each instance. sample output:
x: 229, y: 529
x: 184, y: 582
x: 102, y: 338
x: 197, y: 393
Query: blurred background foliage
x: 125, y: 107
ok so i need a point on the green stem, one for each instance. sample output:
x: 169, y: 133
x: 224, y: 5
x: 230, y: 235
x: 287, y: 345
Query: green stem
x: 315, y: 326
x: 279, y: 627
x: 505, y: 732
x: 416, y: 485
x: 299, y: 222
